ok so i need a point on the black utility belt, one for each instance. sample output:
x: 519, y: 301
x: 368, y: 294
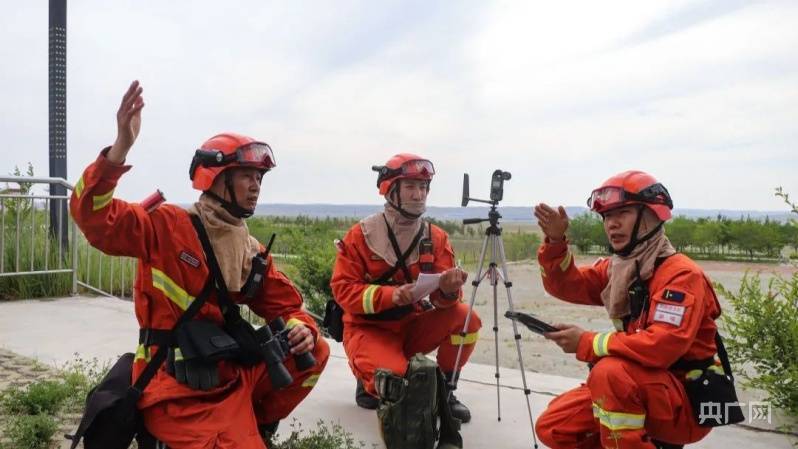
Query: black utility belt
x: 197, y: 347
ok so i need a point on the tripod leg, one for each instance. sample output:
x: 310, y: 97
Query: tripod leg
x: 455, y: 372
x: 494, y: 282
x: 508, y: 286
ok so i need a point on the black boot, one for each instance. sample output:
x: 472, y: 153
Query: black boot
x: 459, y: 410
x: 364, y: 399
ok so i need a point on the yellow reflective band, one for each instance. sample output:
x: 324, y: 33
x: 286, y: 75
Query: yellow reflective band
x: 696, y: 373
x: 79, y: 187
x: 310, y: 382
x: 178, y: 355
x: 293, y: 322
x: 100, y: 201
x: 170, y: 289
x: 542, y: 271
x: 468, y: 339
x: 693, y: 374
x: 142, y: 353
x: 601, y: 343
x: 368, y: 299
x: 567, y: 261
x: 619, y: 420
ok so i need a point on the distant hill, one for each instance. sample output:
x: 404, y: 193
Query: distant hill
x: 459, y: 213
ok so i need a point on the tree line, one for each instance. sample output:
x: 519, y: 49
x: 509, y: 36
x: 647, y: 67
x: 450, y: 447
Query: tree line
x: 711, y: 238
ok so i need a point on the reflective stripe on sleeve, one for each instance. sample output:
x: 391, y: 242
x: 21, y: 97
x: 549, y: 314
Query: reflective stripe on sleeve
x: 368, y: 299
x: 79, y: 187
x: 100, y: 201
x: 601, y: 344
x: 170, y: 289
x: 567, y: 261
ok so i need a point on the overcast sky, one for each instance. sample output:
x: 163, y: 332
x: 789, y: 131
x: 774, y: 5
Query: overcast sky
x: 703, y: 94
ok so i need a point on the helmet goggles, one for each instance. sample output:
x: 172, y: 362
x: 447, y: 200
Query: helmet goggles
x: 611, y: 197
x: 413, y: 169
x: 255, y: 154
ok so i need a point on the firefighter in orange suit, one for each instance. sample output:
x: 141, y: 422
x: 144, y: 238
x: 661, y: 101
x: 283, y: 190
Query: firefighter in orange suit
x: 663, y: 308
x: 172, y: 271
x: 376, y: 266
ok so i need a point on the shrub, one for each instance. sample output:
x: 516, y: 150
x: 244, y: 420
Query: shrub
x: 322, y: 437
x: 30, y: 431
x: 763, y: 331
x: 42, y: 397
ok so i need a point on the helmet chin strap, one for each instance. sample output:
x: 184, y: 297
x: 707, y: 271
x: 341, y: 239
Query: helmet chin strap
x: 231, y: 206
x: 398, y: 205
x: 634, y: 241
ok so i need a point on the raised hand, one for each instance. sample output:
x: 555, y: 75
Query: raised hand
x: 128, y: 123
x: 552, y: 222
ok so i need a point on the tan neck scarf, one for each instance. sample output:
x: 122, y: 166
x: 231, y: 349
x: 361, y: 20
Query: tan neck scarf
x: 622, y: 270
x: 233, y: 246
x: 376, y: 234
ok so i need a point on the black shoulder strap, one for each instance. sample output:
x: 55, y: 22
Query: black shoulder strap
x: 160, y: 355
x: 230, y: 309
x: 724, y: 357
x: 401, y: 258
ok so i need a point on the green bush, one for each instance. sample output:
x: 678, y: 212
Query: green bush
x: 30, y: 431
x: 42, y: 397
x: 763, y: 331
x: 322, y: 437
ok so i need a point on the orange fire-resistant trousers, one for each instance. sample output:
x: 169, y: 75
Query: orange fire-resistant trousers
x: 624, y: 405
x: 371, y: 347
x: 223, y: 418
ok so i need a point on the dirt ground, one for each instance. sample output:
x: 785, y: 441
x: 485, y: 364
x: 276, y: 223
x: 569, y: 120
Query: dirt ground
x: 543, y: 356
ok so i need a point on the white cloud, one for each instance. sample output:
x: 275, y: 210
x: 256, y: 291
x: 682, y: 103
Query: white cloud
x: 563, y: 94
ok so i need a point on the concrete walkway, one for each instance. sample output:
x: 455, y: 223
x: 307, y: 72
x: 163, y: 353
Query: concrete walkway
x: 52, y: 331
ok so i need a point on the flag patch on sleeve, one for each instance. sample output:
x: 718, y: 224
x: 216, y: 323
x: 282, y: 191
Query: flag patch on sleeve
x: 669, y: 314
x: 673, y: 295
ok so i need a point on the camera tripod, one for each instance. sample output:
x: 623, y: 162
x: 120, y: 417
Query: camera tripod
x: 496, y: 270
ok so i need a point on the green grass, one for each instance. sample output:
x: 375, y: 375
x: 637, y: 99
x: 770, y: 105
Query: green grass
x: 323, y: 436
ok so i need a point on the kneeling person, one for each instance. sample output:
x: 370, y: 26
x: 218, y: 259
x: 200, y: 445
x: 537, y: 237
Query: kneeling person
x: 197, y: 403
x: 664, y: 310
x: 377, y: 264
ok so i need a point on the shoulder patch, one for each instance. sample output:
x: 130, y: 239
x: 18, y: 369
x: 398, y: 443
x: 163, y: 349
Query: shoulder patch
x: 190, y: 259
x: 672, y: 295
x: 669, y: 314
x: 339, y: 245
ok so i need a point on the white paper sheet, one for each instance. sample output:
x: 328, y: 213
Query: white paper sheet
x: 425, y: 284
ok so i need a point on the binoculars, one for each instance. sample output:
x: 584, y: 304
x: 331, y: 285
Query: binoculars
x: 275, y: 349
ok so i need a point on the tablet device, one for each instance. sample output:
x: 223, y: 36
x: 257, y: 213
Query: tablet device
x: 535, y: 325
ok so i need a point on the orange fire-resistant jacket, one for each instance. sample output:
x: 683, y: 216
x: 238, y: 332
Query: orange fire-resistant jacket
x: 171, y: 270
x: 356, y: 266
x: 679, y: 322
